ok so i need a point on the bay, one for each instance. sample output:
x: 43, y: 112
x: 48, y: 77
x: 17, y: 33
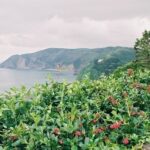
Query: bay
x: 16, y: 78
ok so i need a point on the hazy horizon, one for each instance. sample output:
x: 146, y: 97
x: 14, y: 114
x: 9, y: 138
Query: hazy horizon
x: 32, y: 25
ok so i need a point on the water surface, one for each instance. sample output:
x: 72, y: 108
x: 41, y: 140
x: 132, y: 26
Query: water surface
x: 16, y: 78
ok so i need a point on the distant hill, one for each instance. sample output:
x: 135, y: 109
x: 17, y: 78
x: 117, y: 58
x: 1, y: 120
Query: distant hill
x: 108, y: 64
x: 53, y: 58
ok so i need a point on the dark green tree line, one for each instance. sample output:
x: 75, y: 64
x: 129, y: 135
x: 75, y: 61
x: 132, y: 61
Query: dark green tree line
x: 142, y: 48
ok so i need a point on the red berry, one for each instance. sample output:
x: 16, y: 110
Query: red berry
x: 13, y: 138
x: 130, y: 72
x: 116, y: 125
x: 56, y: 131
x: 113, y: 100
x: 137, y: 85
x: 78, y: 133
x: 94, y: 121
x: 134, y: 113
x: 60, y: 142
x: 125, y: 141
x: 98, y: 130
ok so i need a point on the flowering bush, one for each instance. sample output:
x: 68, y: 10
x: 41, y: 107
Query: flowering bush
x: 109, y: 113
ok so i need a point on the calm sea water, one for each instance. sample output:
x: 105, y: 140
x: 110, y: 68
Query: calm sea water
x: 16, y: 78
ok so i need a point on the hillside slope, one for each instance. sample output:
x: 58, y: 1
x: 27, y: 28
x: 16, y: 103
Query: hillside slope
x: 107, y: 65
x: 111, y: 113
x: 66, y: 58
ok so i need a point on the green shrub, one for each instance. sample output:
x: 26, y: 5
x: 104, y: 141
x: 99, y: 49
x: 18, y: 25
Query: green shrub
x: 111, y: 113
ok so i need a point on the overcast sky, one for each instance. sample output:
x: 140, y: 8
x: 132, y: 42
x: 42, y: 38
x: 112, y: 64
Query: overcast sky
x: 31, y: 25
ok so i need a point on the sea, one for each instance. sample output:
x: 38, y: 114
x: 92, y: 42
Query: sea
x: 10, y: 78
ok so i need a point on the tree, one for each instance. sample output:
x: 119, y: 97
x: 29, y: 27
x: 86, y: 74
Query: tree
x: 142, y: 48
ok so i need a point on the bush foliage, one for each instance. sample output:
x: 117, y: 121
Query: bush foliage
x: 111, y: 113
x: 142, y: 48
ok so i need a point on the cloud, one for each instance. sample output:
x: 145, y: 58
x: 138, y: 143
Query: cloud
x: 58, y: 32
x: 31, y: 25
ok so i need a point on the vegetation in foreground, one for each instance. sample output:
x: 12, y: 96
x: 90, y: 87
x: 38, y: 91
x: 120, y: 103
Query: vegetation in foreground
x: 111, y: 113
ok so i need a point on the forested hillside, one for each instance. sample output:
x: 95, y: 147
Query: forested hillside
x: 107, y: 65
x: 75, y: 59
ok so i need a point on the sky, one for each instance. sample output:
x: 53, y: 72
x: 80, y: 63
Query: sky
x: 30, y: 25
